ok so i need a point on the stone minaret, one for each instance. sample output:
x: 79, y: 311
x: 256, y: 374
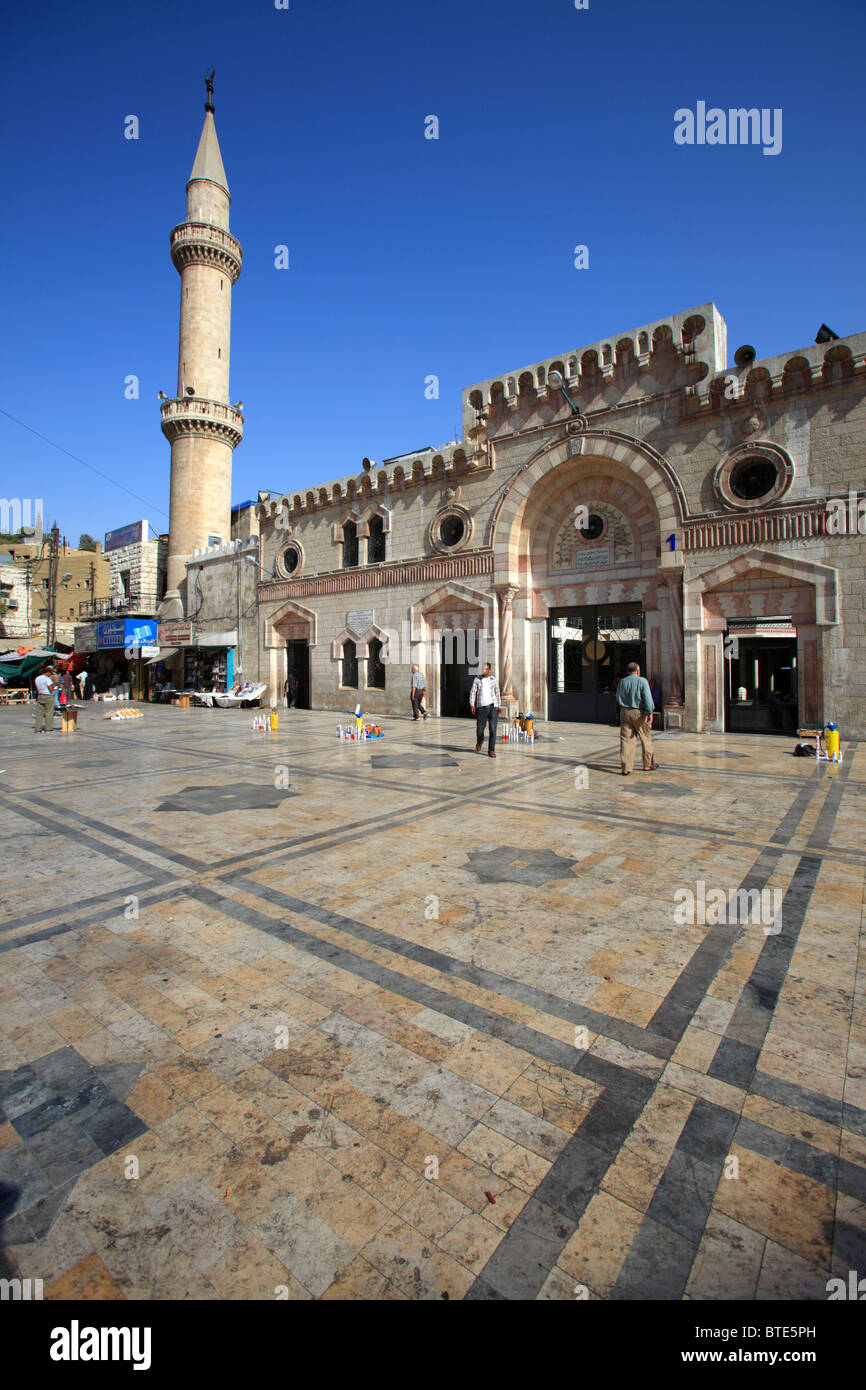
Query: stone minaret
x: 201, y: 425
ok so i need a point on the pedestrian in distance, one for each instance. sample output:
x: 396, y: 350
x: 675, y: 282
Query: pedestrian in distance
x: 45, y: 686
x: 417, y: 693
x: 635, y: 701
x: 290, y: 689
x: 485, y: 703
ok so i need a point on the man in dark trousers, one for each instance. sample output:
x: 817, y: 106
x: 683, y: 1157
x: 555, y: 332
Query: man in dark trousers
x: 417, y: 692
x: 634, y: 697
x: 290, y: 689
x: 487, y: 701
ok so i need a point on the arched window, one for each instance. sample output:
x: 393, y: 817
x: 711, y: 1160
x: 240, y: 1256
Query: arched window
x: 376, y: 541
x: 350, y: 664
x: 375, y: 665
x: 350, y: 545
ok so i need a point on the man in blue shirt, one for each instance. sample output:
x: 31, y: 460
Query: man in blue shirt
x: 635, y: 702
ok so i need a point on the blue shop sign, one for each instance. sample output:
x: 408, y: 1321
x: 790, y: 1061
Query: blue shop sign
x: 127, y: 632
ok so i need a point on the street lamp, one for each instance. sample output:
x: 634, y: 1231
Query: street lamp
x: 254, y: 561
x: 556, y: 382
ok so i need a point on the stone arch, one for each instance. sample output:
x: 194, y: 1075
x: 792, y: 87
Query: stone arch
x: 757, y: 564
x: 461, y: 607
x: 470, y: 598
x: 289, y: 614
x: 348, y: 635
x: 637, y: 458
x: 366, y: 516
x: 760, y: 583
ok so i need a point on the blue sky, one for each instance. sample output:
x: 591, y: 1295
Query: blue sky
x: 409, y: 257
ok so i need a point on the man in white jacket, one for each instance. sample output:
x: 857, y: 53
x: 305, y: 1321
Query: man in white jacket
x: 485, y: 702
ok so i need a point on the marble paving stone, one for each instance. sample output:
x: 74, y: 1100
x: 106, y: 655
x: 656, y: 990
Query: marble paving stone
x: 516, y: 1002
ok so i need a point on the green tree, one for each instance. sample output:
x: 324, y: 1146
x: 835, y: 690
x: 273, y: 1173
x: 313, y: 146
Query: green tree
x: 86, y: 542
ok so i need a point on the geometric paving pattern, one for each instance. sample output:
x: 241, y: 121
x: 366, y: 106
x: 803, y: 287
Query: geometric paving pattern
x: 440, y: 1029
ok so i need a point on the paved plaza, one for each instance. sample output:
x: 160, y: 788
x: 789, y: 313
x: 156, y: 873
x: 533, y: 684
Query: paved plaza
x: 285, y: 1017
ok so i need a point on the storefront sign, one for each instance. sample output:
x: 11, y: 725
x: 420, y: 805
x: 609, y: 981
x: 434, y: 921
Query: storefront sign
x: 126, y: 535
x: 217, y: 639
x: 174, y: 634
x: 127, y: 632
x: 84, y: 638
x: 149, y: 653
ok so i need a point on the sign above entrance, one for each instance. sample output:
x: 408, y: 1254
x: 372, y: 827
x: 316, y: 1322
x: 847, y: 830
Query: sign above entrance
x: 85, y: 638
x: 360, y: 620
x: 597, y: 558
x: 175, y: 634
x: 126, y: 632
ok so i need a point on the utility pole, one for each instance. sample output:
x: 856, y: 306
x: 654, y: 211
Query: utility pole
x: 53, y: 555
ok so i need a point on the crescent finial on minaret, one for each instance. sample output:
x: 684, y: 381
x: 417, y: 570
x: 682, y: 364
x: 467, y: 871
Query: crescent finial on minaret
x: 208, y: 78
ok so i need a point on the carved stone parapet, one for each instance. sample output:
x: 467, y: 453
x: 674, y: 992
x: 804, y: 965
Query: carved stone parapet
x: 197, y: 415
x: 200, y: 243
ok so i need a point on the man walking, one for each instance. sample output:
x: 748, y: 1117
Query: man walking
x: 44, y: 701
x: 290, y: 689
x: 635, y: 702
x: 486, y: 699
x: 417, y: 693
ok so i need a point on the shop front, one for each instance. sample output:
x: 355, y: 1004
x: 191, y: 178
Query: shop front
x: 192, y: 661
x: 208, y: 668
x: 114, y: 654
x: 123, y: 645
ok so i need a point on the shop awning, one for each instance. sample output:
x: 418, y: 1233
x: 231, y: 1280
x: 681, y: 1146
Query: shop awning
x: 165, y: 654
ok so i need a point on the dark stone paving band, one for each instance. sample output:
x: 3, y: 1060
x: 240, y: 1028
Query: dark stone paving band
x: 662, y: 1254
x: 628, y: 1033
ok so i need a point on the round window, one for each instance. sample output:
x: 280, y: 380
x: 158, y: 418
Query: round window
x: 753, y: 478
x: 451, y: 530
x: 594, y: 527
x: 288, y: 560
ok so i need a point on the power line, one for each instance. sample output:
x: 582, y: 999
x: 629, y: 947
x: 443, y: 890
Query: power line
x: 82, y: 461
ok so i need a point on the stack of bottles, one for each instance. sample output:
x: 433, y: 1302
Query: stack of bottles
x: 518, y: 733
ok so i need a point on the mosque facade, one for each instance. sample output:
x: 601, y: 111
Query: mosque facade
x: 641, y: 498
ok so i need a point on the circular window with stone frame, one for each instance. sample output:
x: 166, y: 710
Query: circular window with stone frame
x: 450, y: 530
x: 754, y: 475
x: 595, y: 528
x: 289, y: 560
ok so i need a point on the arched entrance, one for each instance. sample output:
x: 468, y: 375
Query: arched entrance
x: 290, y: 636
x: 755, y: 633
x: 586, y: 539
x: 454, y: 626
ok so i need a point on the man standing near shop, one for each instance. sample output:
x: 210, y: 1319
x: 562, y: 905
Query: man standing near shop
x: 485, y: 702
x: 417, y: 693
x: 44, y: 701
x: 634, y: 697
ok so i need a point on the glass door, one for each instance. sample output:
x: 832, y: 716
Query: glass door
x: 590, y: 649
x: 762, y: 685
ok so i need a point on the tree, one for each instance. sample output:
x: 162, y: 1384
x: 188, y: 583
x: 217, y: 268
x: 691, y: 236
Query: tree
x: 86, y: 542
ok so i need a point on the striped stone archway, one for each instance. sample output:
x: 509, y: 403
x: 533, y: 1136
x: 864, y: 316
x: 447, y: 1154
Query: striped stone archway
x: 599, y: 446
x: 763, y: 580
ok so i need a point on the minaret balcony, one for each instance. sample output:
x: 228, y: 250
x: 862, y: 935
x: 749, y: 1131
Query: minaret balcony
x: 198, y: 415
x: 201, y: 243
